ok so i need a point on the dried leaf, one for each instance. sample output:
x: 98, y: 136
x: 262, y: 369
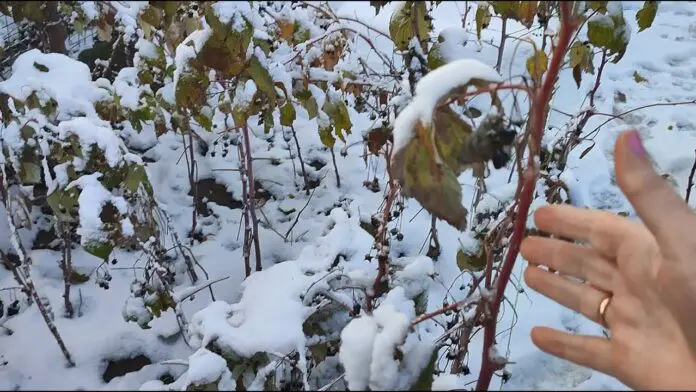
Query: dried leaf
x: 586, y: 151
x: 378, y: 5
x: 526, y: 12
x: 577, y: 75
x: 225, y: 49
x: 286, y: 29
x: 537, y: 65
x: 646, y: 15
x: 377, y: 138
x: 483, y: 19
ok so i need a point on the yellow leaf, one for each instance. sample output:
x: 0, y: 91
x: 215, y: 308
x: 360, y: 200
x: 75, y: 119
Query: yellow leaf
x: 483, y: 19
x: 537, y: 65
x: 526, y: 12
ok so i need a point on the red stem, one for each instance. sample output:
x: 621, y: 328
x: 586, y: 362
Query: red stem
x: 538, y: 115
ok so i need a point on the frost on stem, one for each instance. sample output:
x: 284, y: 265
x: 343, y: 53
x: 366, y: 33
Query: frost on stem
x: 433, y: 143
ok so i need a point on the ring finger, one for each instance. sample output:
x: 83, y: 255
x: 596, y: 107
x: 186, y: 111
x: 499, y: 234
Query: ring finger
x: 573, y: 295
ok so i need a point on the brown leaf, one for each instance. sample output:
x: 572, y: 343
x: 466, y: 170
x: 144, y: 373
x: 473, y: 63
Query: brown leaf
x: 526, y: 12
x: 376, y: 138
x: 577, y: 75
x: 286, y: 29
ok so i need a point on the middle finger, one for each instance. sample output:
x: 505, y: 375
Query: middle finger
x: 570, y: 260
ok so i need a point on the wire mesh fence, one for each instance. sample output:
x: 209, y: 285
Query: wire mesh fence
x: 18, y: 38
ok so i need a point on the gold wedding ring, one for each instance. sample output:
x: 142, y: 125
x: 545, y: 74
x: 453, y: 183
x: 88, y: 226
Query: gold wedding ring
x: 603, y: 306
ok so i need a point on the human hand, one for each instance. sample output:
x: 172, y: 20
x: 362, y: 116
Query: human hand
x: 647, y: 270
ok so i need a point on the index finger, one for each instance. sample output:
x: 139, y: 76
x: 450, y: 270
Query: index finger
x: 602, y: 230
x: 659, y: 206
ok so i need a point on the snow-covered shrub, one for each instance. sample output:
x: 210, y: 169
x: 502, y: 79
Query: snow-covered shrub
x: 235, y: 90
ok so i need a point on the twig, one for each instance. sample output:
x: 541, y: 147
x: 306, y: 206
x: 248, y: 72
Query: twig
x: 615, y: 116
x: 691, y: 181
x: 299, y: 156
x: 501, y: 48
x: 297, y: 218
x: 66, y: 266
x: 252, y: 195
x: 541, y: 100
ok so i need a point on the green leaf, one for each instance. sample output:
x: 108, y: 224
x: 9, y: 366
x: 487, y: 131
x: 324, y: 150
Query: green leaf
x: 425, y: 379
x: 62, y: 202
x: 434, y: 186
x: 339, y: 117
x: 204, y: 121
x: 40, y: 67
x: 537, y: 65
x: 473, y: 263
x: 268, y: 121
x: 30, y: 173
x: 646, y: 15
x: 327, y: 138
x: 506, y: 9
x: 407, y: 22
x: 309, y: 102
x: 136, y: 176
x: 638, y: 77
x: 263, y: 79
x: 225, y: 50
x: 77, y: 278
x: 191, y: 91
x: 451, y: 135
x: 483, y: 19
x: 599, y: 6
x: 287, y: 114
x: 609, y: 32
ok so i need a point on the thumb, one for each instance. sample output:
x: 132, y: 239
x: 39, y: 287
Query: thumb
x: 658, y: 205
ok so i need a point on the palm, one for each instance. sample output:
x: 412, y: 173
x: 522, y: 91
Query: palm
x: 621, y: 257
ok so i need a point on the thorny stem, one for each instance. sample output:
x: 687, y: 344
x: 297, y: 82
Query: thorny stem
x: 540, y: 101
x: 252, y: 198
x: 691, y: 181
x: 333, y: 160
x: 381, y: 238
x: 299, y: 156
x: 191, y: 168
x: 66, y: 266
x: 246, y: 247
x: 23, y: 275
x: 501, y: 48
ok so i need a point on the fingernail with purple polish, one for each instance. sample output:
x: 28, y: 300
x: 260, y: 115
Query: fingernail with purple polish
x: 635, y: 144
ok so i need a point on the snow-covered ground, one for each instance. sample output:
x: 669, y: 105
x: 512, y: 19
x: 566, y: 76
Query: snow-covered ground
x: 330, y: 226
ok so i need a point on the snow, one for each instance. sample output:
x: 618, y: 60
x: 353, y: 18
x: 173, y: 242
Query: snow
x: 432, y: 88
x: 324, y: 253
